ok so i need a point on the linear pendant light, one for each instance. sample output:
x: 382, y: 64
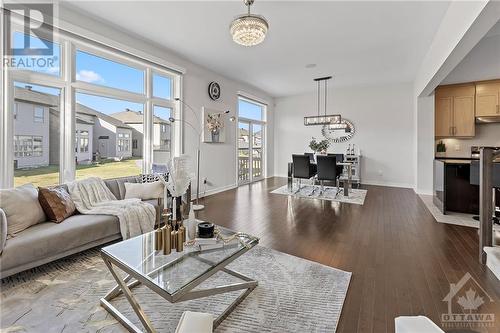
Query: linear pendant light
x: 322, y: 119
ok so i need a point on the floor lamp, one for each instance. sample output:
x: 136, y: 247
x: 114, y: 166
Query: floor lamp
x: 197, y: 206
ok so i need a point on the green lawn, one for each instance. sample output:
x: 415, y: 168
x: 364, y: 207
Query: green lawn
x: 49, y: 175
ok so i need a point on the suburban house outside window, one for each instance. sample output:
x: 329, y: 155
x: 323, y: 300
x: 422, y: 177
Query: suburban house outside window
x: 110, y: 98
x: 38, y: 114
x: 162, y: 132
x: 36, y: 134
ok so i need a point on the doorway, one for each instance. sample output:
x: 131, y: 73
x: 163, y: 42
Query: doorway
x: 251, y: 141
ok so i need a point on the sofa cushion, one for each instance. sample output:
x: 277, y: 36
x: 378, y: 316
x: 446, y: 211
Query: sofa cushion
x: 3, y: 229
x: 21, y: 208
x: 49, y: 239
x: 56, y: 203
x: 144, y: 191
x: 116, y: 185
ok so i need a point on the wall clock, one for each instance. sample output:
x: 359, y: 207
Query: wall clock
x: 214, y: 90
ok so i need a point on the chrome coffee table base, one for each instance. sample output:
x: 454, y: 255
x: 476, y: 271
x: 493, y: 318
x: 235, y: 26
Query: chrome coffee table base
x: 184, y: 294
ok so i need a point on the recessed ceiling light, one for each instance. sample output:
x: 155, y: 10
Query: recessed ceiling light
x: 310, y: 65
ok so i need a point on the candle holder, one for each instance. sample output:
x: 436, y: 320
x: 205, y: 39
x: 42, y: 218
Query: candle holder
x: 166, y: 238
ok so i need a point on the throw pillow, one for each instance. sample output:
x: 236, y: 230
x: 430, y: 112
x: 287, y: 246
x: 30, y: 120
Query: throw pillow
x: 21, y: 208
x: 144, y: 191
x: 56, y: 203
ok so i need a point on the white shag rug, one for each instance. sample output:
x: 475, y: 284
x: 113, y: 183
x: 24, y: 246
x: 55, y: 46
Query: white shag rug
x: 356, y: 196
x: 293, y: 295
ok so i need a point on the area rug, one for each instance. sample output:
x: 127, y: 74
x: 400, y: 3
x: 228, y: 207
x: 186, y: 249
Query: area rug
x: 293, y: 295
x: 461, y: 219
x: 356, y: 196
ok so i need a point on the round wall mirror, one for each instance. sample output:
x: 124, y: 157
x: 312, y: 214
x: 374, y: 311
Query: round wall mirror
x: 339, y: 132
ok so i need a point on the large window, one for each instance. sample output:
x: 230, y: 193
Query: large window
x: 162, y: 86
x: 116, y: 123
x: 98, y: 70
x: 43, y: 64
x: 116, y: 128
x: 161, y: 134
x: 251, y: 147
x: 251, y: 110
x: 36, y: 134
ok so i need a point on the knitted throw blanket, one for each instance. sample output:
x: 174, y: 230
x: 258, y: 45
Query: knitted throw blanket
x: 91, y: 196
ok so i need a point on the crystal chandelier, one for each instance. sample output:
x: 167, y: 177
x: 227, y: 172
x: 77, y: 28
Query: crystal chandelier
x: 249, y: 29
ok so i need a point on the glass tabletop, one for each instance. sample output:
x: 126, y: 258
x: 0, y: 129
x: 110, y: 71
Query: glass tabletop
x: 174, y: 271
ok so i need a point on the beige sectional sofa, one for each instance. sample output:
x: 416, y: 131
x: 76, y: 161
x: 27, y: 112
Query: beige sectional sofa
x: 48, y: 241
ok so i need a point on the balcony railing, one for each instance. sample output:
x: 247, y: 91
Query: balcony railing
x: 244, y: 168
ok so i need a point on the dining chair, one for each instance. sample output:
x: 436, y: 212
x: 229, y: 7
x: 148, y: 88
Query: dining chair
x: 339, y: 158
x: 311, y: 157
x: 302, y: 169
x: 327, y: 170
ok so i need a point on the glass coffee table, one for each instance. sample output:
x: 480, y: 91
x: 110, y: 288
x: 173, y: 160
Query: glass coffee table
x: 172, y: 276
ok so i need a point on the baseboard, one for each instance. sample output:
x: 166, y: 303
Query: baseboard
x: 218, y: 190
x: 424, y: 192
x: 388, y: 184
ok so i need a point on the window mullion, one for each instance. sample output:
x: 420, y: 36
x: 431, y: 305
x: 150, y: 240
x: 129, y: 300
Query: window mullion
x: 67, y: 123
x: 148, y: 124
x: 94, y: 89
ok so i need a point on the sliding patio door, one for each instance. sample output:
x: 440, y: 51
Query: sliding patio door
x: 251, y: 152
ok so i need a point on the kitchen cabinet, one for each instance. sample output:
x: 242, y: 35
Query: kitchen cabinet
x: 488, y: 99
x: 454, y: 111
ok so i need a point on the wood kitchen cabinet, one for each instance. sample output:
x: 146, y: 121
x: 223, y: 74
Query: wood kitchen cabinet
x: 454, y: 110
x: 488, y: 98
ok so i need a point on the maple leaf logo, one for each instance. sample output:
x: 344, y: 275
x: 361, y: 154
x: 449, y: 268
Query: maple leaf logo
x: 470, y: 301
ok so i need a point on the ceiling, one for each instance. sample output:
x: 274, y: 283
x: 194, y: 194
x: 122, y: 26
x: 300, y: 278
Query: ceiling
x: 481, y: 63
x: 359, y: 43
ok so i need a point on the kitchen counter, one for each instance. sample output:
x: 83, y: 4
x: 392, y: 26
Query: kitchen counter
x: 455, y: 161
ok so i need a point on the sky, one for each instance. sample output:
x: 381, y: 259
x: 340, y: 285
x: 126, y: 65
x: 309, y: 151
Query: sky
x: 100, y: 71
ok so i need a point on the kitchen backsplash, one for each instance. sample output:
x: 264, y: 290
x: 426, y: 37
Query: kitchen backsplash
x: 486, y: 135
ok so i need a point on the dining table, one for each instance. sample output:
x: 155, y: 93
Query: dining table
x: 347, y: 180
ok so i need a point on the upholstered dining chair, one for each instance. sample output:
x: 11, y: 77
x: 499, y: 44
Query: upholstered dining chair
x: 302, y: 168
x: 340, y: 158
x: 311, y: 157
x: 327, y: 170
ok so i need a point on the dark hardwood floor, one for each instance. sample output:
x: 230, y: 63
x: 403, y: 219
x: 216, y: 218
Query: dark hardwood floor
x: 402, y: 260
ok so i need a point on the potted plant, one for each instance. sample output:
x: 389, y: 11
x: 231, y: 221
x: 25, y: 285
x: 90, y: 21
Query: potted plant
x: 440, y: 149
x: 214, y: 125
x: 319, y: 146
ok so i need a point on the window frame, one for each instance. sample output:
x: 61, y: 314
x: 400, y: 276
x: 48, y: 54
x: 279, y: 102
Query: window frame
x: 68, y: 85
x: 263, y: 123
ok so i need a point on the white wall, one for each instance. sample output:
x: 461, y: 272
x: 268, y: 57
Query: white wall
x: 218, y: 160
x: 383, y: 117
x: 425, y: 144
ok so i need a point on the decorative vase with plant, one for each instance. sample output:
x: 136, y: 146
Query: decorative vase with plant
x: 214, y: 125
x: 319, y: 146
